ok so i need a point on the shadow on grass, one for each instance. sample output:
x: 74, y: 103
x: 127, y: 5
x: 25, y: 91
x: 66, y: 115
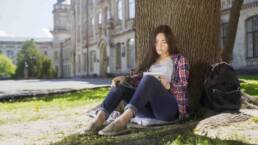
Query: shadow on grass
x: 178, y: 134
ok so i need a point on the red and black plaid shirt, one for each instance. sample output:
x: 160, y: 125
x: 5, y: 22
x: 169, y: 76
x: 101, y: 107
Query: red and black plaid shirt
x: 179, y: 82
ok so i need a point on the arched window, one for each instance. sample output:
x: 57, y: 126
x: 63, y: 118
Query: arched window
x: 131, y: 9
x: 118, y: 56
x: 252, y: 37
x: 119, y: 10
x: 130, y: 53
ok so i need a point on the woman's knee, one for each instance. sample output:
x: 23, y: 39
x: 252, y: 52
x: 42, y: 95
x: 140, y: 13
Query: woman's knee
x: 148, y: 78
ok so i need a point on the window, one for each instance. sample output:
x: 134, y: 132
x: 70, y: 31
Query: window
x: 10, y: 53
x: 108, y: 14
x: 79, y: 63
x: 118, y: 56
x: 91, y: 26
x: 223, y: 34
x: 130, y: 55
x: 56, y: 55
x: 131, y: 9
x: 93, y: 59
x: 92, y: 21
x: 100, y: 18
x: 119, y: 10
x: 252, y: 37
x: 85, y: 62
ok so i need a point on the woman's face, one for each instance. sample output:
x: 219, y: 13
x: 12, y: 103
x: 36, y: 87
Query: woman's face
x: 161, y: 45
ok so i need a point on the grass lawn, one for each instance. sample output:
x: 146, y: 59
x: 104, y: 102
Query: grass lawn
x: 249, y: 84
x: 32, y: 109
x: 48, y: 107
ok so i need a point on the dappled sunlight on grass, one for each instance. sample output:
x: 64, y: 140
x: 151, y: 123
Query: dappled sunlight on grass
x: 249, y: 84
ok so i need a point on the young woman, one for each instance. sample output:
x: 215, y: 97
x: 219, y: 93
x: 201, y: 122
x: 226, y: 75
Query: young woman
x: 163, y: 97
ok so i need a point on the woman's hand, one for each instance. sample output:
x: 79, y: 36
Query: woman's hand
x: 117, y: 80
x: 164, y: 82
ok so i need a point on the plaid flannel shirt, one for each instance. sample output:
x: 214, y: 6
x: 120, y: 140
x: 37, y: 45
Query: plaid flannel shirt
x: 179, y: 82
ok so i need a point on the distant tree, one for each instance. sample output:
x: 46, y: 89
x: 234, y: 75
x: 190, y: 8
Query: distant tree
x: 7, y: 68
x: 232, y: 30
x: 48, y: 70
x: 31, y: 59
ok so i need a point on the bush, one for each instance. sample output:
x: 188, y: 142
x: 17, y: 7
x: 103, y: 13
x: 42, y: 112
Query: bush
x: 7, y: 68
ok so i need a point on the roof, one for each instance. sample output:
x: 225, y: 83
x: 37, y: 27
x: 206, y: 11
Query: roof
x: 22, y: 39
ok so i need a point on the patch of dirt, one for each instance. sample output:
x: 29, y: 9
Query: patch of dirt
x: 48, y: 130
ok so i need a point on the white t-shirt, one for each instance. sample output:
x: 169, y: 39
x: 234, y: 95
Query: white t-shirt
x: 165, y: 69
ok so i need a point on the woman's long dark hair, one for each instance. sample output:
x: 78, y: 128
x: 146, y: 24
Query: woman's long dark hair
x: 151, y: 56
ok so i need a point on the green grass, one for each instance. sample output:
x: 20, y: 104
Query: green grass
x: 65, y: 100
x: 37, y: 108
x: 249, y: 84
x: 191, y: 139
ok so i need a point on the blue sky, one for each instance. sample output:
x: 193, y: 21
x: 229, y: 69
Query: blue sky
x: 26, y: 18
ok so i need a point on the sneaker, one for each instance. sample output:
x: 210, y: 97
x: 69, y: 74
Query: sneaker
x: 114, y: 128
x: 93, y: 127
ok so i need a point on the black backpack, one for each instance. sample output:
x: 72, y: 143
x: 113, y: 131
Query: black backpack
x: 221, y: 88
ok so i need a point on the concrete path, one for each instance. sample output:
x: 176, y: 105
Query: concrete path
x: 18, y: 88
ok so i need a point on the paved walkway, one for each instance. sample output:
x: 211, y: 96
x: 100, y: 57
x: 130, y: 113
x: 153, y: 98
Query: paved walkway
x: 20, y: 88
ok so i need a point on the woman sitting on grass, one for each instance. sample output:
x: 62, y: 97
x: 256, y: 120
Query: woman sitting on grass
x: 160, y: 88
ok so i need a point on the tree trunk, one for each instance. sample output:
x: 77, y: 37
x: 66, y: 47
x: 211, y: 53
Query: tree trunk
x: 195, y: 24
x: 232, y: 29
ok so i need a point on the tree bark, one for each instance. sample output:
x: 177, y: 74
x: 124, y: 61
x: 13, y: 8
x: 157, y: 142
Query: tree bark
x: 232, y: 30
x: 195, y: 24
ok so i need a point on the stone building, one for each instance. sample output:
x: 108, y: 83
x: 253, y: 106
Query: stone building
x: 10, y: 46
x: 103, y: 36
x: 245, y: 54
x: 98, y: 35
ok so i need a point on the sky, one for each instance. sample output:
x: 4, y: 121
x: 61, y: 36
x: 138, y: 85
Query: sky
x: 26, y: 18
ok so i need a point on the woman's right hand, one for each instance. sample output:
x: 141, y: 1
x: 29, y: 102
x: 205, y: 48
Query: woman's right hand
x: 117, y: 80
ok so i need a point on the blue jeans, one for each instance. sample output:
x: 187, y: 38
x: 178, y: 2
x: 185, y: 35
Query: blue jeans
x: 149, y: 99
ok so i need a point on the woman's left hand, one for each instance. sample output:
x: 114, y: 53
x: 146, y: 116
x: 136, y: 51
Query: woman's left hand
x: 164, y: 82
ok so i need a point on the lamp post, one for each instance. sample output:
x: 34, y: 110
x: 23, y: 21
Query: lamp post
x: 26, y: 66
x: 25, y: 70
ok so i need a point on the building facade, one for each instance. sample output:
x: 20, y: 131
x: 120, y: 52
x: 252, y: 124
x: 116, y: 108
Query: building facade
x: 245, y: 53
x: 102, y: 37
x: 11, y: 46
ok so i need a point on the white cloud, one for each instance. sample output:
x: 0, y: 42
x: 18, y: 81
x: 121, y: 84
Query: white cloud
x: 5, y: 34
x: 46, y: 33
